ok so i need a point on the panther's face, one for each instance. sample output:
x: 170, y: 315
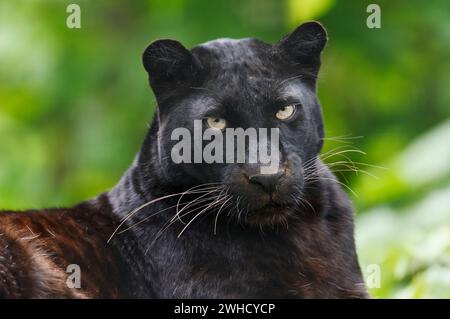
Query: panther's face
x: 224, y: 85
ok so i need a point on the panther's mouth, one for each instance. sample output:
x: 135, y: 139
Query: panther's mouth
x: 271, y: 205
x: 270, y: 213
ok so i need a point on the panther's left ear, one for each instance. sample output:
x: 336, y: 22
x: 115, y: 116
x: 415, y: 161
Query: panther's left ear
x: 304, y: 45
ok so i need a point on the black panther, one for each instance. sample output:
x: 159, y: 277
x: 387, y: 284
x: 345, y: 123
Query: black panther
x: 205, y: 230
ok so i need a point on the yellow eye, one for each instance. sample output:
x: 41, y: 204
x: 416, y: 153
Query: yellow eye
x: 216, y: 122
x: 285, y: 112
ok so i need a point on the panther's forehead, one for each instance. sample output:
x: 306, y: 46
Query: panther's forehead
x: 226, y: 52
x: 243, y: 72
x: 237, y: 68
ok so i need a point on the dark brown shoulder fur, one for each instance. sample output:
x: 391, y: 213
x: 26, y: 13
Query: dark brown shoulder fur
x: 36, y: 247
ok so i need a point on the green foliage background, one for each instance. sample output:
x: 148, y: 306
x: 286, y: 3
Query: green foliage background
x: 74, y: 107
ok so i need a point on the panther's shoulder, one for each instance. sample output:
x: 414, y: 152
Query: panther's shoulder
x: 40, y: 249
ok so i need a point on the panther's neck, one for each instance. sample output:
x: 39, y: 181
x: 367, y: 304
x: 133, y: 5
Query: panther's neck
x: 133, y: 190
x: 128, y: 193
x: 136, y: 188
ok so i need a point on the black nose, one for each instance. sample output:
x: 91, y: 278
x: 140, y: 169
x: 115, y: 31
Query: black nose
x: 266, y: 181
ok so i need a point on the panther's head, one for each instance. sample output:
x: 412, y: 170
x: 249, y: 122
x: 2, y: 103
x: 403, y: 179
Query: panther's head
x: 247, y: 84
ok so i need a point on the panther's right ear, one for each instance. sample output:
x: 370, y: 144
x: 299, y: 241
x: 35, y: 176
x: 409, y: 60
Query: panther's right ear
x: 168, y: 64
